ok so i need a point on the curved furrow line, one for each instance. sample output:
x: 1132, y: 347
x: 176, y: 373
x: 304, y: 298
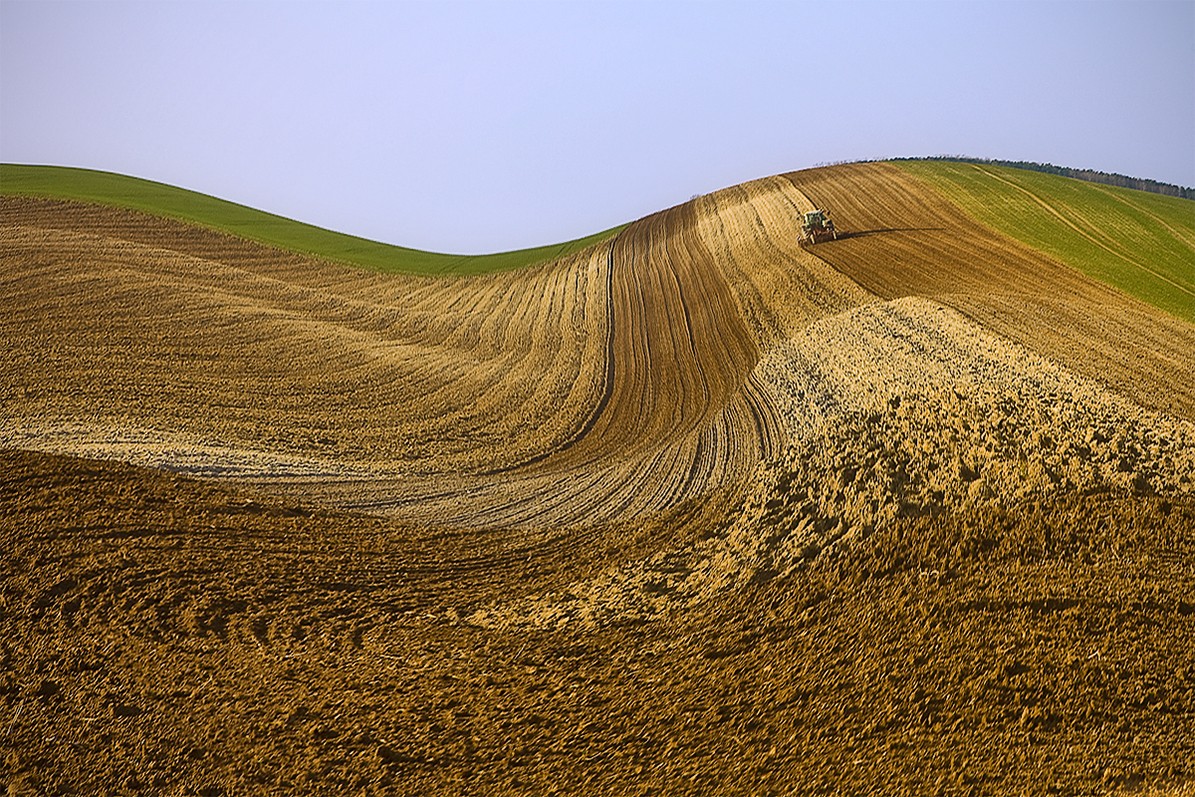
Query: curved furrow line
x: 443, y: 378
x: 1154, y: 218
x: 681, y: 353
x: 719, y: 421
x: 262, y: 339
x: 908, y: 240
x: 605, y: 385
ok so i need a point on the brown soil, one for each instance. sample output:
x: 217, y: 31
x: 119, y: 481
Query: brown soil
x: 695, y: 511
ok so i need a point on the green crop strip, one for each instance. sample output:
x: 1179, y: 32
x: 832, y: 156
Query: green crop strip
x: 159, y: 199
x: 1141, y: 243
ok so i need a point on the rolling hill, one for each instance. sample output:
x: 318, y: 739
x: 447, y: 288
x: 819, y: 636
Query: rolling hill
x: 685, y: 505
x: 158, y: 199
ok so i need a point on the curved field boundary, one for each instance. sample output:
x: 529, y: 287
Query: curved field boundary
x: 1136, y: 263
x: 605, y: 392
x: 260, y: 350
x: 1143, y: 244
x: 907, y: 237
x: 612, y: 383
x: 159, y: 199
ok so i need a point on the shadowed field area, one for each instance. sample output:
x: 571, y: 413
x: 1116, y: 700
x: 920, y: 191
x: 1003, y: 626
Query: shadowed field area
x: 690, y: 508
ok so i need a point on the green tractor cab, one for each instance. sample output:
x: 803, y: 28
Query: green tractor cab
x: 817, y: 225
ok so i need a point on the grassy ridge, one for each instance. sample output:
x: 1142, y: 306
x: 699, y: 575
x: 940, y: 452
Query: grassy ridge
x: 160, y: 199
x: 1141, y: 243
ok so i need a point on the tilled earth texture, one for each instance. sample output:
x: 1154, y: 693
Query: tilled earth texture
x: 694, y: 511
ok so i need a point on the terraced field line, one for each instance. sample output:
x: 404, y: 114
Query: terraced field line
x: 1054, y: 212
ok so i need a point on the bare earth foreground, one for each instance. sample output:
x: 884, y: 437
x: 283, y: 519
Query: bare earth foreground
x: 693, y: 511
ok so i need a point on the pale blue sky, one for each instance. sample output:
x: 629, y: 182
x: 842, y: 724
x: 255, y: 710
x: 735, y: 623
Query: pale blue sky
x: 483, y: 126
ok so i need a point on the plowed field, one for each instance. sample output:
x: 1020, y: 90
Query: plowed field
x: 692, y: 510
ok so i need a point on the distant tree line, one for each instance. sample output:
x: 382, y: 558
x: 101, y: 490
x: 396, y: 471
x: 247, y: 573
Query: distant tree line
x: 1090, y: 175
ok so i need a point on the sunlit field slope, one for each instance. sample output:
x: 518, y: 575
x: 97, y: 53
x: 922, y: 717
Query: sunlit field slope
x: 689, y: 508
x: 1137, y: 241
x: 131, y: 193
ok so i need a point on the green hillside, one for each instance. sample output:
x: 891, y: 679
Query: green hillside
x: 1142, y: 243
x: 163, y: 200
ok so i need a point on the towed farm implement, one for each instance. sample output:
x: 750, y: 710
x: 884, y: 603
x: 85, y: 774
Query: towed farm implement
x: 817, y: 225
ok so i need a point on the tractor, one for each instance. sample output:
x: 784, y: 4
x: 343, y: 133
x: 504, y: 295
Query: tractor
x: 817, y: 225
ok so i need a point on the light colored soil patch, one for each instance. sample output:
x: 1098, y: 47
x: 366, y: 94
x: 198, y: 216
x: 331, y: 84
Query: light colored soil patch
x: 895, y: 409
x: 695, y: 511
x: 175, y: 453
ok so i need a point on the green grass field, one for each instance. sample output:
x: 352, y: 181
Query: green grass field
x: 163, y: 200
x: 1142, y: 243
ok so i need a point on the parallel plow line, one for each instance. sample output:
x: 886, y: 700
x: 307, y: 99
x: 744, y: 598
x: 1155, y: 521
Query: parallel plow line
x: 1087, y: 234
x: 908, y: 240
x: 612, y: 384
x: 428, y: 382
